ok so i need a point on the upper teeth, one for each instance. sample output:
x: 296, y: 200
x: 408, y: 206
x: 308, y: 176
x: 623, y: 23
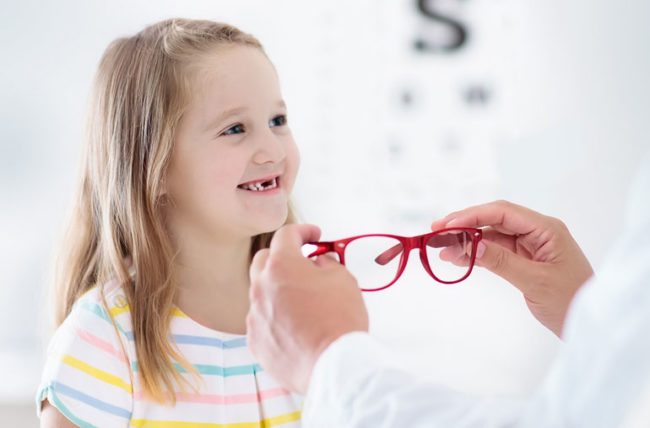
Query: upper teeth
x: 259, y: 186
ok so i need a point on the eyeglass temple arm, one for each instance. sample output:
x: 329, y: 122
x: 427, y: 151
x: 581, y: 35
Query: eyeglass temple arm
x: 321, y: 248
x: 438, y: 241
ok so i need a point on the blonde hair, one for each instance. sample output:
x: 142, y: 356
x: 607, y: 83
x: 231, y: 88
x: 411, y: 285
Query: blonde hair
x: 141, y: 89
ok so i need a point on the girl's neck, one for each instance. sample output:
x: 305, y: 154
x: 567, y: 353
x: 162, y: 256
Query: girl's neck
x: 213, y: 282
x: 214, y: 267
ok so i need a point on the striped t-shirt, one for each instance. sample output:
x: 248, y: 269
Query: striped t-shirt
x: 93, y: 380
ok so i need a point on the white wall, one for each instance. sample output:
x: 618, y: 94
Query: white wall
x: 564, y: 124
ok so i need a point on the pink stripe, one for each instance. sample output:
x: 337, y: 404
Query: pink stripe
x: 224, y: 399
x: 101, y: 344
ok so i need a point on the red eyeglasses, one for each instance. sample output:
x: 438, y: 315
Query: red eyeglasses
x: 447, y: 255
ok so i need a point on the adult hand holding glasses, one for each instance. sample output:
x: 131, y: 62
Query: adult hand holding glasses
x: 534, y: 252
x: 299, y: 306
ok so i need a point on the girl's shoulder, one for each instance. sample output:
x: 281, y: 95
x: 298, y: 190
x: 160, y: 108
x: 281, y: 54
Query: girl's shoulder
x: 87, y: 374
x: 103, y: 309
x: 110, y: 293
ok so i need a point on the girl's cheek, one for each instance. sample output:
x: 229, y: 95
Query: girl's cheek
x: 227, y: 174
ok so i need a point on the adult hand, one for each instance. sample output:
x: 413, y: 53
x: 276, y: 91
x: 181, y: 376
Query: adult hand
x: 299, y: 306
x: 533, y: 252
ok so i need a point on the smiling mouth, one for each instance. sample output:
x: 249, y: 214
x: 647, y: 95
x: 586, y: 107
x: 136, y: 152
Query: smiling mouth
x: 261, y: 185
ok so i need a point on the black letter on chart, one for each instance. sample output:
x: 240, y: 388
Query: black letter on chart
x: 458, y: 29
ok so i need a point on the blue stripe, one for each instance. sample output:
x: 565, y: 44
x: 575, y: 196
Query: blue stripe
x: 68, y: 414
x: 207, y: 369
x: 91, y: 401
x: 227, y: 371
x: 185, y: 339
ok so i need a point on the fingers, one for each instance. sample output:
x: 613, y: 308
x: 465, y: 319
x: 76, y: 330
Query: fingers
x: 505, y: 240
x: 515, y: 269
x: 503, y: 216
x: 259, y: 261
x: 326, y: 260
x: 290, y: 238
x: 256, y: 268
x: 287, y: 241
x: 454, y: 258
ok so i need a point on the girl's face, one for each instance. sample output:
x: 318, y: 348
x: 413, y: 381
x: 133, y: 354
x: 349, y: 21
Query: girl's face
x: 234, y: 161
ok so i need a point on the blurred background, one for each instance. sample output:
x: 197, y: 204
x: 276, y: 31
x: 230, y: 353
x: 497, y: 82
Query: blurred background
x: 404, y: 110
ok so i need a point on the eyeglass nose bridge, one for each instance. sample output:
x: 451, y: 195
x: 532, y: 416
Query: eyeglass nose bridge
x: 409, y: 244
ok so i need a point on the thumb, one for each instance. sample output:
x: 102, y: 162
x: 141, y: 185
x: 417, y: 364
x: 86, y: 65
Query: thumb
x: 513, y: 268
x: 325, y: 260
x: 259, y: 262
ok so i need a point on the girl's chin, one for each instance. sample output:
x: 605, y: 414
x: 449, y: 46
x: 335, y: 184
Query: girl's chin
x: 270, y: 226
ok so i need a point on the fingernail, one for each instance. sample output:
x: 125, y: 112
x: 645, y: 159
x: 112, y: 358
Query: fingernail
x: 480, y: 250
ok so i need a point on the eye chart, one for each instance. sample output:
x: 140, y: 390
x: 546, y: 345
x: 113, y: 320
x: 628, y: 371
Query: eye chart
x: 410, y: 104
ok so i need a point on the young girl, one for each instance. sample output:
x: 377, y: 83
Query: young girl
x: 187, y: 173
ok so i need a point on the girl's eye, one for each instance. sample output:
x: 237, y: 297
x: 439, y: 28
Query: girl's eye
x: 280, y: 120
x: 233, y: 130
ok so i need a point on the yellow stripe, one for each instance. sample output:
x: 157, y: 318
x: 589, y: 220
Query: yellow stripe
x: 280, y: 420
x: 266, y: 423
x: 115, y: 311
x: 96, y: 373
x: 178, y: 313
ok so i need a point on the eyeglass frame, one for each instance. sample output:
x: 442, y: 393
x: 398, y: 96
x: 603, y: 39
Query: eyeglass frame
x: 408, y: 244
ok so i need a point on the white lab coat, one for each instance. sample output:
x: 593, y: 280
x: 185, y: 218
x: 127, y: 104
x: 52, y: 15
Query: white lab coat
x: 601, y: 377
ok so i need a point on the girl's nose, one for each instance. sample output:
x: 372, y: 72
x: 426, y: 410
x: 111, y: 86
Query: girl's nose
x: 270, y: 149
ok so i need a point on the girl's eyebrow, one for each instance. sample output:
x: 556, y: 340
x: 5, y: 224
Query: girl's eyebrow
x: 232, y: 112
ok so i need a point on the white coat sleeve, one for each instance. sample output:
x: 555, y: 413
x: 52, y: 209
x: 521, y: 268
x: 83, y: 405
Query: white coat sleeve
x: 354, y: 386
